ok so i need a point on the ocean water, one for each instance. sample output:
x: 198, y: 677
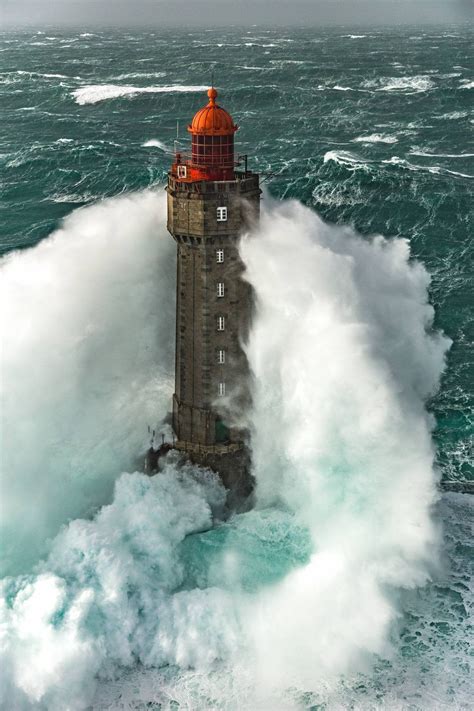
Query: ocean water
x: 350, y: 584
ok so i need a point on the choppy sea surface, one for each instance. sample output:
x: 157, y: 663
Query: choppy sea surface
x: 370, y: 128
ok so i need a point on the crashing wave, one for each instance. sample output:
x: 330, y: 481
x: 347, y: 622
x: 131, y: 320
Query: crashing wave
x: 94, y: 93
x: 344, y: 356
x: 413, y: 84
x: 376, y: 138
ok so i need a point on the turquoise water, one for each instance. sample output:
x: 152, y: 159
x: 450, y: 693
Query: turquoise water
x: 370, y: 128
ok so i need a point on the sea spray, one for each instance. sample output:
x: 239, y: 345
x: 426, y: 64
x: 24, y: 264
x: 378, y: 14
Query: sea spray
x: 344, y: 356
x: 102, y: 600
x: 87, y: 322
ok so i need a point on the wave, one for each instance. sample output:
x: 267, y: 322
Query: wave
x: 141, y: 75
x: 441, y: 155
x: 347, y: 159
x: 11, y: 77
x: 81, y: 356
x: 434, y: 169
x: 466, y: 84
x: 452, y: 115
x: 344, y: 356
x: 72, y: 198
x: 415, y: 84
x: 375, y: 138
x: 94, y: 93
x: 350, y: 161
x: 155, y: 143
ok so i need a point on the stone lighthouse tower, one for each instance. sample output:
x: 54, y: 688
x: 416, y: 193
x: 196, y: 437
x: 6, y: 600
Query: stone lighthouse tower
x: 212, y: 198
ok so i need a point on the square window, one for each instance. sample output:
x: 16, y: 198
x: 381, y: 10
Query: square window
x: 221, y: 323
x: 221, y: 389
x: 221, y: 214
x: 220, y: 289
x: 219, y: 256
x: 221, y: 356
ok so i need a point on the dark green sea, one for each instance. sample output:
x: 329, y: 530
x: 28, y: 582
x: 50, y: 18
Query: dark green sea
x: 370, y: 128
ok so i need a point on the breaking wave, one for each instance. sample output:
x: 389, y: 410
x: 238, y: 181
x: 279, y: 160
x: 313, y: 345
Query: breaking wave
x: 347, y: 159
x: 88, y: 322
x: 155, y: 143
x: 94, y: 93
x: 252, y: 612
x: 376, y: 138
x: 401, y: 84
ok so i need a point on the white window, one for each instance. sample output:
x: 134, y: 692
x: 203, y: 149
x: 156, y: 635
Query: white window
x: 182, y: 172
x: 221, y: 356
x: 221, y: 323
x: 219, y: 256
x: 221, y: 389
x: 221, y: 214
x: 220, y: 289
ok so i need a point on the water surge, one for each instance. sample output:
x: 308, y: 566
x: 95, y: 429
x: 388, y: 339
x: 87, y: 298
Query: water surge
x: 274, y: 607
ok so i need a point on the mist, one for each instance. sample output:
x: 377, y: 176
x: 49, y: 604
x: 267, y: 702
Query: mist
x: 220, y: 13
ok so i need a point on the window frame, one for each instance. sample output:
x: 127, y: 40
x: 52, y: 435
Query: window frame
x: 221, y: 356
x: 220, y: 256
x: 182, y: 171
x: 221, y: 389
x: 221, y: 213
x: 221, y: 323
x: 220, y: 289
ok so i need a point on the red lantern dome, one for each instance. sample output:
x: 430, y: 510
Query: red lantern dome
x: 212, y: 145
x: 212, y: 120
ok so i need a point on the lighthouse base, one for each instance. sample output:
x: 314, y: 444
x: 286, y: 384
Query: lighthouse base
x: 230, y: 461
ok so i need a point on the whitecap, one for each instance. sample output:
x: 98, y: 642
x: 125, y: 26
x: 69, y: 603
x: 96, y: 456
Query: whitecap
x: 347, y: 159
x: 441, y: 155
x: 451, y: 116
x: 434, y: 169
x: 375, y: 138
x: 155, y: 143
x: 73, y: 198
x: 141, y: 75
x: 405, y: 84
x: 466, y: 84
x: 94, y: 93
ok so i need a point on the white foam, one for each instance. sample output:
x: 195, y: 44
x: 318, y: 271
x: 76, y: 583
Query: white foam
x: 347, y: 159
x: 142, y: 75
x: 94, y: 93
x: 343, y: 360
x: 435, y: 169
x: 440, y: 155
x: 376, y: 138
x: 87, y: 317
x: 155, y: 143
x: 453, y: 115
x: 466, y: 84
x: 414, y: 84
x: 344, y: 356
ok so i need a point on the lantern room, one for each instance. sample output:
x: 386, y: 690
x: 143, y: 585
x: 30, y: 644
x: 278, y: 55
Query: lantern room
x: 212, y: 145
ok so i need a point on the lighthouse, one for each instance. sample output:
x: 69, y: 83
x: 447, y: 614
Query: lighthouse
x: 212, y: 199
